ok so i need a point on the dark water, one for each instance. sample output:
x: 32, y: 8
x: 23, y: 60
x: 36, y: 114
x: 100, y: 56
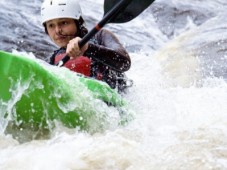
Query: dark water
x: 20, y: 28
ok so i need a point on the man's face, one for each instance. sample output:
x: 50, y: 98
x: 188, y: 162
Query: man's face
x: 61, y: 30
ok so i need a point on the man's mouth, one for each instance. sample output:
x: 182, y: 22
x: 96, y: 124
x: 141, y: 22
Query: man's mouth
x: 60, y: 38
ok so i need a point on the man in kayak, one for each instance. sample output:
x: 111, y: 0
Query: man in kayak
x: 103, y: 57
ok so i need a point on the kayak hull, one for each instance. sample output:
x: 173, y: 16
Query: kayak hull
x: 31, y: 95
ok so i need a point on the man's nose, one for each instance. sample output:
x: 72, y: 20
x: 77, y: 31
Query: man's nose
x: 58, y: 29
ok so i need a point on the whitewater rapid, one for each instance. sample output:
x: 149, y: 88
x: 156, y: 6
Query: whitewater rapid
x: 179, y: 67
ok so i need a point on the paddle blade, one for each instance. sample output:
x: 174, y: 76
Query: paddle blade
x: 131, y: 11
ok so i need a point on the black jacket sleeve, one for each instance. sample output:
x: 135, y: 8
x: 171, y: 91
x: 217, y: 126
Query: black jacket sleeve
x: 107, y: 49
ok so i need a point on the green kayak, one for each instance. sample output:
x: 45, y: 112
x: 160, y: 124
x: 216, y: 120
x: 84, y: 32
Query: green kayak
x: 35, y: 94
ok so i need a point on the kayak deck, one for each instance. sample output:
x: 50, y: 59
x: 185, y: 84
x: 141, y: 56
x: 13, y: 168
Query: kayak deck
x: 34, y: 96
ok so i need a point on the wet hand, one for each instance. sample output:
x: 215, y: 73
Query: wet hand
x: 73, y: 49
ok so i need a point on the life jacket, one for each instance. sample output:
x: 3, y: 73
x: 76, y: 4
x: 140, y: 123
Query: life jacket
x: 90, y: 68
x: 80, y: 64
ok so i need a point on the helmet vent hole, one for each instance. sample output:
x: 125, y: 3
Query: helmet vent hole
x: 62, y: 4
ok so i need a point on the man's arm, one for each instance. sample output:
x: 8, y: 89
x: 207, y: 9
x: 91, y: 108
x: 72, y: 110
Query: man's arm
x: 109, y: 51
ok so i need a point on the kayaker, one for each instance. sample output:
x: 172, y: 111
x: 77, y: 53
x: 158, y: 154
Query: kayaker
x: 103, y: 57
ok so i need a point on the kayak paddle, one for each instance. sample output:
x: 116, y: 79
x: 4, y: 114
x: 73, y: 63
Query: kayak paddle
x: 115, y: 11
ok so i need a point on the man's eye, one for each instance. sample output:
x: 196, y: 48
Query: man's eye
x: 64, y: 22
x: 50, y: 26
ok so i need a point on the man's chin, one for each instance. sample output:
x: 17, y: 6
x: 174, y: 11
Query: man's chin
x: 61, y: 44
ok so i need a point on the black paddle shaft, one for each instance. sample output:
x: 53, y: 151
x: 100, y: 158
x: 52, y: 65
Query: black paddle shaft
x: 106, y: 19
x: 123, y: 11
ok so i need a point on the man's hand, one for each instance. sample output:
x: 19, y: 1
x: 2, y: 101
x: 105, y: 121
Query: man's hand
x: 73, y: 49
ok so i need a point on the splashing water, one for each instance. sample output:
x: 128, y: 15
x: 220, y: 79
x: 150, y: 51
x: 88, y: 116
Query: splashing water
x: 179, y: 68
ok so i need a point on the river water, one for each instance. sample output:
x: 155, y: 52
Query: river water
x: 179, y: 68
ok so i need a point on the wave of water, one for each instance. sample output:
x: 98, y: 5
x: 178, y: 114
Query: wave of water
x: 179, y: 66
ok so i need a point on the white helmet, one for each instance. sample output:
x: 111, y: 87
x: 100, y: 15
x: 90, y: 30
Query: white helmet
x: 52, y: 9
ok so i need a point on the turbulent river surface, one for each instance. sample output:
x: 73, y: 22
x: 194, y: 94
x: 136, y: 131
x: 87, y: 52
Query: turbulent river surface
x: 179, y: 68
